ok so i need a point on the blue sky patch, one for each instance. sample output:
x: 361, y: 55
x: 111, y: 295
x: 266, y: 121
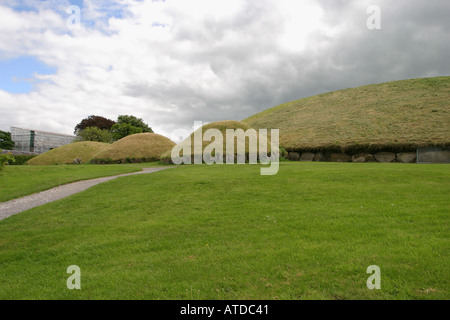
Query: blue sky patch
x: 18, y: 75
x: 107, y: 9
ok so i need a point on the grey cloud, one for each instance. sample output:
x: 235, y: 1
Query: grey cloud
x: 252, y: 72
x: 413, y: 42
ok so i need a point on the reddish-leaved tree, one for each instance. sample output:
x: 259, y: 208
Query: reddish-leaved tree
x: 94, y: 121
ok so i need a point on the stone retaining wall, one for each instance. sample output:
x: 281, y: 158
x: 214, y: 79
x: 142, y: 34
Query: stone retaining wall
x: 436, y: 155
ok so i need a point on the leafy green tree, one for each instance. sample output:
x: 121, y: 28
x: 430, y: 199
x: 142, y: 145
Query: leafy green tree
x: 120, y: 131
x: 135, y: 122
x: 5, y: 140
x: 127, y: 125
x: 95, y: 134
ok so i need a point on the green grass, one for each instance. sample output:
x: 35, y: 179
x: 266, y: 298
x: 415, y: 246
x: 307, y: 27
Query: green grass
x: 19, y: 181
x: 393, y: 115
x: 226, y: 232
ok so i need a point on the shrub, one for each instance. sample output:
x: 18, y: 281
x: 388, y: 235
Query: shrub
x: 121, y: 161
x: 6, y: 159
x: 22, y: 159
x: 283, y: 153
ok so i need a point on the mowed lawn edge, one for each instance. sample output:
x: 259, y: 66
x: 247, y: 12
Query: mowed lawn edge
x: 226, y: 232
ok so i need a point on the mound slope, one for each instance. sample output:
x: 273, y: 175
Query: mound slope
x: 136, y: 147
x: 68, y: 153
x: 395, y: 115
x: 222, y: 126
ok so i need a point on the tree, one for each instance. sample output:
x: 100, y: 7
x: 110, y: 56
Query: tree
x: 94, y: 121
x: 135, y: 122
x: 127, y: 125
x: 95, y: 134
x: 5, y: 141
x: 120, y: 131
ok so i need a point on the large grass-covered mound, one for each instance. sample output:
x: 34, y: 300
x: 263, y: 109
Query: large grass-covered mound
x: 135, y: 148
x: 66, y: 154
x: 395, y: 115
x: 222, y: 126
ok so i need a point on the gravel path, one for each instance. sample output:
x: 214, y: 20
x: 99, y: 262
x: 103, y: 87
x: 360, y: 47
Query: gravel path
x: 15, y: 206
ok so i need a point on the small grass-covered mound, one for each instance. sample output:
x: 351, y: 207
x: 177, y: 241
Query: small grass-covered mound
x: 395, y: 115
x: 222, y: 126
x: 66, y: 154
x: 141, y: 147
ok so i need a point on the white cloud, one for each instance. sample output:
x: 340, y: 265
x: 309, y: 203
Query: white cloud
x: 177, y: 61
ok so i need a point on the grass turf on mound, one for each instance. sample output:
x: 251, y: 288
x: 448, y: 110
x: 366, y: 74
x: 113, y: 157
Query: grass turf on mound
x: 68, y: 153
x: 142, y: 146
x: 226, y: 232
x: 222, y: 126
x: 395, y: 115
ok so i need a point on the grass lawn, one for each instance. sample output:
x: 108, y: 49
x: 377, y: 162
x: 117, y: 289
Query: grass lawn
x: 226, y: 232
x: 19, y: 181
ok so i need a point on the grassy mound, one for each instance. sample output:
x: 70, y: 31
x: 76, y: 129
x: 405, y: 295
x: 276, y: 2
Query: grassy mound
x: 222, y: 126
x: 135, y: 148
x: 395, y: 115
x: 68, y: 153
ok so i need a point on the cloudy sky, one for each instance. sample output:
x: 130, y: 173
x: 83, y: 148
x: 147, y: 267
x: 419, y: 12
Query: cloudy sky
x: 174, y: 62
